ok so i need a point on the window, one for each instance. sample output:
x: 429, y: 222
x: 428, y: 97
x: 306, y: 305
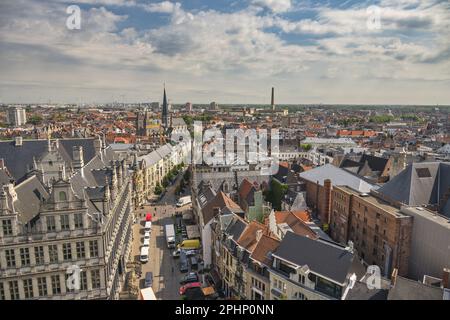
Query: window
x: 7, y: 227
x: 83, y: 280
x: 65, y: 222
x: 93, y: 248
x: 62, y: 196
x: 78, y: 220
x: 2, y: 292
x: 42, y: 286
x: 299, y: 296
x: 28, y: 288
x: 10, y: 258
x: 14, y: 290
x: 39, y: 255
x: 51, y: 223
x: 25, y: 257
x: 53, y: 253
x: 423, y: 172
x: 374, y: 252
x: 95, y: 278
x: 56, y: 284
x: 67, y: 252
x: 80, y: 250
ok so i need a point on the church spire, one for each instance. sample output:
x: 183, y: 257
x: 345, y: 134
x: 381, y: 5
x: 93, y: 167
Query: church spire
x: 165, y: 110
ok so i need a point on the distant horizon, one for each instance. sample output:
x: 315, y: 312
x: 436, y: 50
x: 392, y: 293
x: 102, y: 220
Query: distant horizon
x: 237, y: 104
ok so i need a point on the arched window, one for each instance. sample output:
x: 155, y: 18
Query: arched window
x: 62, y: 196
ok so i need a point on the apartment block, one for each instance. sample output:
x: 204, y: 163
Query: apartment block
x: 380, y: 233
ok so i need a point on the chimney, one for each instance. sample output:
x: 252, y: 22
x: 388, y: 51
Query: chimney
x: 272, y: 103
x: 98, y: 145
x: 327, y: 189
x: 446, y: 278
x: 18, y: 141
x: 78, y: 160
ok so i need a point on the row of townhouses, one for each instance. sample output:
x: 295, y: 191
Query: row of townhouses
x: 150, y: 169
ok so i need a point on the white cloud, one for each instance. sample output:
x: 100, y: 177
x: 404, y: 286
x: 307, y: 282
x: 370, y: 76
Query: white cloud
x: 223, y: 51
x: 276, y: 6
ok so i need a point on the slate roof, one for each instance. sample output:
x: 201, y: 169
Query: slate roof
x: 29, y: 195
x: 405, y: 289
x: 420, y: 184
x: 323, y: 258
x: 236, y: 227
x: 337, y: 176
x: 18, y: 159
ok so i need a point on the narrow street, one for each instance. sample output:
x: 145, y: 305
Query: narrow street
x: 166, y: 274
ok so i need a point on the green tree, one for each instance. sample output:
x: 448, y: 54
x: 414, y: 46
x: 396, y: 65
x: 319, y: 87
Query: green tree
x: 306, y: 146
x: 158, y: 189
x: 276, y: 193
x: 35, y: 120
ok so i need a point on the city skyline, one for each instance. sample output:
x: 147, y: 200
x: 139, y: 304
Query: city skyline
x: 311, y: 52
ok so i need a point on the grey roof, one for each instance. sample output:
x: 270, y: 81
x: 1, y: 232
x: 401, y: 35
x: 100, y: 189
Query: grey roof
x: 5, y: 177
x: 361, y: 291
x: 405, y: 289
x: 178, y: 122
x: 18, y: 159
x: 420, y: 184
x: 323, y: 258
x: 29, y: 195
x: 337, y: 176
x: 235, y: 228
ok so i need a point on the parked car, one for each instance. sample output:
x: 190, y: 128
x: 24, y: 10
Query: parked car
x: 190, y: 277
x: 147, y: 235
x: 176, y: 253
x: 191, y: 252
x: 188, y: 286
x: 148, y: 280
x: 146, y: 243
x: 143, y: 257
x: 194, y: 262
x: 190, y: 244
x: 184, y: 263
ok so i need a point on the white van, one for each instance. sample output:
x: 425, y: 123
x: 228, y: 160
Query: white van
x: 184, y: 201
x: 148, y: 226
x: 144, y: 254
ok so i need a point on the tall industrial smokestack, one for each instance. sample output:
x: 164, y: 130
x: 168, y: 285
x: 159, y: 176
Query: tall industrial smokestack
x: 273, y: 98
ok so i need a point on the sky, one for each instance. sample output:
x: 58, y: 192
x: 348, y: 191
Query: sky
x: 331, y: 52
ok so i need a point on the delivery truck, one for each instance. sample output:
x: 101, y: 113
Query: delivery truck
x: 170, y: 236
x: 184, y: 201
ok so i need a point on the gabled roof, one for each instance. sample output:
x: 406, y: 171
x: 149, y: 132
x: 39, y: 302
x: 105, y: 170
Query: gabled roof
x: 323, y: 258
x: 419, y: 184
x: 247, y: 239
x: 263, y: 250
x: 337, y: 176
x: 220, y: 201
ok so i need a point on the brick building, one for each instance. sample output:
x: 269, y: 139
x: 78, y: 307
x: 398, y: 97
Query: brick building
x: 380, y: 233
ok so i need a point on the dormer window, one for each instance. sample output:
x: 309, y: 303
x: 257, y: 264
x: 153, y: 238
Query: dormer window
x: 62, y: 196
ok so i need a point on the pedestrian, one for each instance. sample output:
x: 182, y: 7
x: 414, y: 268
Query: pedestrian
x: 172, y: 269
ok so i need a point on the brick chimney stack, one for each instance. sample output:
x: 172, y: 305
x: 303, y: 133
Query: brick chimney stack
x: 446, y: 278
